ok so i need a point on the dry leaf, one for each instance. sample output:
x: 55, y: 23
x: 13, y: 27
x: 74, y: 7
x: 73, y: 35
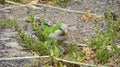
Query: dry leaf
x: 87, y: 16
x: 80, y: 59
x: 26, y: 1
x: 88, y: 52
x: 34, y: 2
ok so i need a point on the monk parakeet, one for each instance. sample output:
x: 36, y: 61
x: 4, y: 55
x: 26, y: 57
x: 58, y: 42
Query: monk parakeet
x: 60, y: 34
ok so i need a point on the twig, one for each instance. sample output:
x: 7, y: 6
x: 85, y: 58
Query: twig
x: 67, y: 10
x: 27, y: 5
x: 77, y: 63
x: 57, y: 59
x: 34, y: 6
x: 19, y: 58
x: 82, y: 45
x: 72, y: 62
x: 12, y: 7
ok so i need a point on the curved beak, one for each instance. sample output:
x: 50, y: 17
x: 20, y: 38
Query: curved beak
x: 65, y: 32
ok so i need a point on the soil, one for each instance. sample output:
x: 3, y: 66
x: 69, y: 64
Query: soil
x: 79, y: 31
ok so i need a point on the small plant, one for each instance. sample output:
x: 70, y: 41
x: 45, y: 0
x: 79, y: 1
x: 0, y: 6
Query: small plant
x: 17, y: 0
x: 59, y: 1
x: 54, y: 1
x: 2, y: 1
x: 74, y: 53
x: 106, y: 37
x: 41, y: 43
x: 44, y: 1
x: 5, y: 23
x: 2, y: 23
x: 103, y: 55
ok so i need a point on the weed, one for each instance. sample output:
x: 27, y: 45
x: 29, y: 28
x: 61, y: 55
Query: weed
x: 2, y: 1
x: 73, y: 53
x: 41, y: 43
x: 5, y: 23
x: 105, y: 37
x: 55, y: 1
x: 8, y: 23
x: 46, y: 1
x: 2, y: 23
x: 16, y: 0
x: 103, y: 55
x: 59, y: 1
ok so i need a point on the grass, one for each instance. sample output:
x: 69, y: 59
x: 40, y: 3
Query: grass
x: 3, y: 22
x: 47, y: 1
x: 60, y: 1
x: 16, y: 0
x: 2, y: 1
x: 106, y: 38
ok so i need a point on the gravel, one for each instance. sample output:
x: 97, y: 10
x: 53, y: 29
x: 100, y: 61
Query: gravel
x: 78, y: 30
x: 14, y: 63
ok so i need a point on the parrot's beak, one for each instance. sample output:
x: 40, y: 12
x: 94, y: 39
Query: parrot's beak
x: 65, y: 32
